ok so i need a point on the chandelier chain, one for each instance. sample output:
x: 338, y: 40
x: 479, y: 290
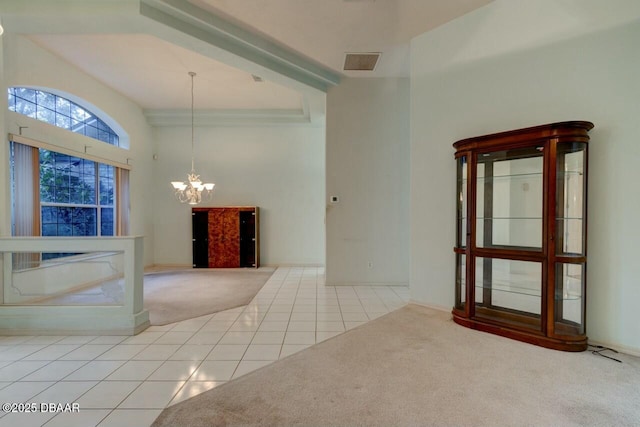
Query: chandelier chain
x: 193, y: 169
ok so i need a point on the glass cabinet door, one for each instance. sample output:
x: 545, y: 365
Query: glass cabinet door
x: 461, y: 202
x: 570, y: 200
x: 461, y: 281
x: 509, y: 199
x: 509, y: 289
x: 461, y: 232
x: 570, y: 238
x: 569, y: 299
x: 509, y: 211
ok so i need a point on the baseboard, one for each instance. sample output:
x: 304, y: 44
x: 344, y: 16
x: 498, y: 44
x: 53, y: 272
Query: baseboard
x: 292, y: 265
x: 36, y: 320
x: 166, y: 267
x: 406, y: 284
x: 432, y: 306
x: 74, y: 332
x: 160, y: 267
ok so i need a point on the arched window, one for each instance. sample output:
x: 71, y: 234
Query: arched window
x: 60, y: 112
x: 64, y: 193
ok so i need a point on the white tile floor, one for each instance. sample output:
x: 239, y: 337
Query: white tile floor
x: 127, y: 381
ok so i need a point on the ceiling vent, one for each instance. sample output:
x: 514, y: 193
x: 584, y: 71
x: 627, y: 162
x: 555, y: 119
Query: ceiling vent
x: 361, y: 61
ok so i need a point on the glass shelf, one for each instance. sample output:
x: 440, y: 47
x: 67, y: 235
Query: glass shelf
x: 518, y: 175
x: 570, y: 173
x: 509, y: 217
x: 496, y: 287
x: 515, y: 231
x: 569, y: 296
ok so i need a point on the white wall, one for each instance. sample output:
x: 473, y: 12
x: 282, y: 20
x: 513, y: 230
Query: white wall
x: 27, y: 64
x: 279, y: 168
x: 589, y: 77
x: 368, y: 169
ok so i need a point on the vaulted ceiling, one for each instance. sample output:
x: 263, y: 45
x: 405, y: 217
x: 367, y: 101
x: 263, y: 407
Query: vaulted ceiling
x: 145, y: 48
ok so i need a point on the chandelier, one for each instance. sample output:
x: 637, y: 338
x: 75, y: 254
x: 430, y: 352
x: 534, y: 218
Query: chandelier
x: 193, y: 191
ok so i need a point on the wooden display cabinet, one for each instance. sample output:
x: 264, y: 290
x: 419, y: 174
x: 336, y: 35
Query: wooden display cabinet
x: 226, y: 237
x: 521, y: 247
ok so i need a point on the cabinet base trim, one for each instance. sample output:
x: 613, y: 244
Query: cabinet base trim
x: 564, y: 345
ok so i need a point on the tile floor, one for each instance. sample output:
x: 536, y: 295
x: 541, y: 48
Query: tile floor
x: 127, y: 381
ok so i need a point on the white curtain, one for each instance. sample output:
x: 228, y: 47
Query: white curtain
x: 26, y: 200
x: 123, y: 205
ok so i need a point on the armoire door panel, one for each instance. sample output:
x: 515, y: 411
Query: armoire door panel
x: 247, y: 239
x: 224, y: 238
x: 200, y: 239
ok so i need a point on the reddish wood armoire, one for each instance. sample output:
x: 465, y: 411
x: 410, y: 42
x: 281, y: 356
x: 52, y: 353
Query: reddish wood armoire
x: 226, y: 237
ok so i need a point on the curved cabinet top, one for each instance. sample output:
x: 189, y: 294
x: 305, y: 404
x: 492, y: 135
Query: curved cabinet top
x: 574, y: 131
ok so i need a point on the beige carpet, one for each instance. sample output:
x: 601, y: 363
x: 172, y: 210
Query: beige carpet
x: 172, y: 296
x: 413, y: 367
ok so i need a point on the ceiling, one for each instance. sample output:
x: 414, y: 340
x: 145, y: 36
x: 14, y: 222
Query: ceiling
x: 147, y: 57
x: 154, y: 73
x: 325, y: 30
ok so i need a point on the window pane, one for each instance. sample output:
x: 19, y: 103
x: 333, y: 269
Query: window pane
x: 47, y: 177
x: 106, y: 191
x: 101, y: 125
x: 77, y: 112
x: 103, y: 135
x: 12, y: 101
x: 88, y: 189
x: 63, y: 215
x: 46, y: 115
x: 63, y: 121
x: 77, y: 126
x: 84, y: 222
x: 48, y: 215
x: 106, y: 222
x: 49, y: 230
x: 46, y: 99
x: 26, y: 93
x: 63, y: 106
x: 26, y: 108
x: 106, y: 171
x: 91, y: 132
x: 64, y: 230
x: 69, y: 221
